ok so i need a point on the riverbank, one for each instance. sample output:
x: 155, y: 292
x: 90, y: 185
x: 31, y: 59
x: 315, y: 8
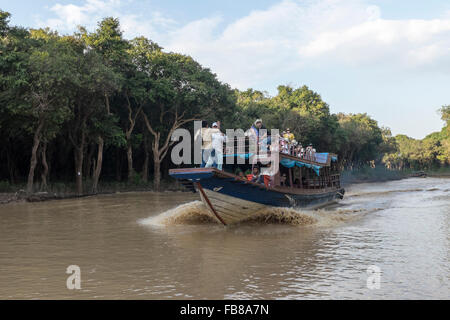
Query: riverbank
x: 60, y: 190
x: 366, y: 175
x: 440, y: 173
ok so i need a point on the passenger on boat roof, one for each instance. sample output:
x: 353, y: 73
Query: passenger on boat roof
x: 253, y: 132
x: 218, y: 138
x: 311, y: 152
x: 288, y: 135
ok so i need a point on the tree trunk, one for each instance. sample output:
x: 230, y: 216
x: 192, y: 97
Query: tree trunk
x: 98, y: 165
x: 79, y: 159
x: 145, y: 167
x: 130, y: 161
x: 78, y: 169
x: 33, y: 160
x: 44, y: 173
x: 118, y: 164
x: 160, y: 151
x: 156, y: 164
x: 88, y: 162
x: 128, y: 133
x: 10, y: 164
x: 157, y: 173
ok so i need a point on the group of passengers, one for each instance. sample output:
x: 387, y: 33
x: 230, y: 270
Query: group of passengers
x: 213, y: 140
x: 289, y: 145
x: 263, y: 176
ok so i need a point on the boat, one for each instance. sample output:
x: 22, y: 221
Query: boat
x: 308, y: 183
x: 418, y: 174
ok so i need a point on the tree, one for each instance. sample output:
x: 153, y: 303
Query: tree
x: 137, y: 91
x: 181, y: 91
x: 106, y: 131
x: 361, y: 138
x: 90, y: 82
x: 107, y: 42
x: 4, y: 22
x: 38, y: 78
x: 445, y: 113
x: 15, y: 47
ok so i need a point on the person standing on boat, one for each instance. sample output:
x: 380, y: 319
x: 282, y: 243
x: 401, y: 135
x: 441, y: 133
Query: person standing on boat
x: 289, y: 135
x: 205, y: 134
x: 253, y: 132
x: 290, y: 138
x: 217, y: 140
x: 313, y: 153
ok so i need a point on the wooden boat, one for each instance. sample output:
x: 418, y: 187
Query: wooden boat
x: 232, y: 199
x: 418, y: 174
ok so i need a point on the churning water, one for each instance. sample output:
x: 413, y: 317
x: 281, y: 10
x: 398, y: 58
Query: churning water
x: 167, y: 246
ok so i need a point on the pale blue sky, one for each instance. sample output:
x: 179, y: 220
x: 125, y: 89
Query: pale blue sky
x: 389, y: 58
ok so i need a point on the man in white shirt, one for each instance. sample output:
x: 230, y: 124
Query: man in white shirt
x: 205, y: 134
x: 217, y: 141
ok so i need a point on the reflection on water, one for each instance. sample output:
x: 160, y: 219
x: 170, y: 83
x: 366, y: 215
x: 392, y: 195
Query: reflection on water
x: 165, y: 246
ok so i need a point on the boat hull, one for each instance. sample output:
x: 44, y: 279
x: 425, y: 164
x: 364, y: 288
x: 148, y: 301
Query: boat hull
x: 231, y: 200
x: 229, y: 209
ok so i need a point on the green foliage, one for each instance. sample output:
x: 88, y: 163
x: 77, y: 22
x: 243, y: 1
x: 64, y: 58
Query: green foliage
x: 361, y: 139
x: 445, y: 113
x: 302, y: 110
x: 106, y: 126
x: 429, y: 153
x: 4, y: 22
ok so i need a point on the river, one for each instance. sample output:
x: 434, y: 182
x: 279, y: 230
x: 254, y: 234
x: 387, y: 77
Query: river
x: 166, y: 246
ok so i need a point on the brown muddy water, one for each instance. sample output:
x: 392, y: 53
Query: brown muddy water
x: 165, y: 246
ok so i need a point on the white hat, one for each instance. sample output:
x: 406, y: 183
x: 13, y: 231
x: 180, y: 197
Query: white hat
x: 215, y: 124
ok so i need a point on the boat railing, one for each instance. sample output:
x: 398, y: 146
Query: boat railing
x: 249, y: 147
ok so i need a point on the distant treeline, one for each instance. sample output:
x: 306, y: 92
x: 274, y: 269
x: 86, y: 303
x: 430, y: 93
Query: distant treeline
x: 96, y: 106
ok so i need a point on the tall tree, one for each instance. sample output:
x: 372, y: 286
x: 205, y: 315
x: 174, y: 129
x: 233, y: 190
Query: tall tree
x: 91, y: 80
x: 39, y: 77
x: 136, y: 90
x: 181, y: 91
x: 15, y: 47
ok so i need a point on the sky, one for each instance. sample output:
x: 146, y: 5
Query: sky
x: 387, y: 58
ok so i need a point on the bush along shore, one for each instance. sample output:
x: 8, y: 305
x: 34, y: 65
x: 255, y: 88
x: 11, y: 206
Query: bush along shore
x: 378, y: 174
x: 381, y: 174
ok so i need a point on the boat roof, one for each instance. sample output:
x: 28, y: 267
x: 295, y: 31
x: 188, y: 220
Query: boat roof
x: 321, y: 159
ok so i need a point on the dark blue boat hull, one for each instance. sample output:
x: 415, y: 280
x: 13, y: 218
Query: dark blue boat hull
x: 259, y: 194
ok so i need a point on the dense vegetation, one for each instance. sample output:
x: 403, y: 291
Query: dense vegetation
x: 430, y: 153
x: 95, y: 106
